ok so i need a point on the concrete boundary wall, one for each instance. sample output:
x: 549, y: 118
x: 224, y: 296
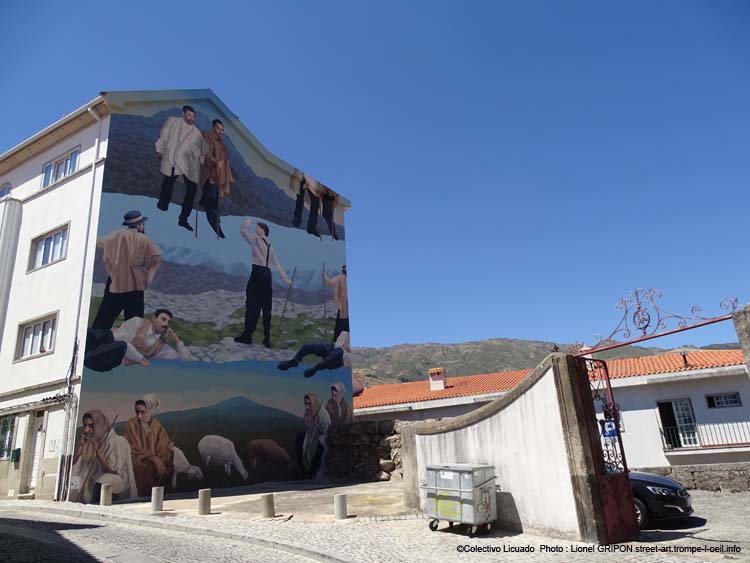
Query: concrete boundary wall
x: 537, y: 438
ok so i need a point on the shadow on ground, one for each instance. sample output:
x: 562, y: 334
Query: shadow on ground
x: 672, y: 530
x: 39, y: 540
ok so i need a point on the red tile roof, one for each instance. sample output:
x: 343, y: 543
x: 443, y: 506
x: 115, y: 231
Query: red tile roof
x: 417, y: 391
x: 468, y: 385
x: 673, y: 362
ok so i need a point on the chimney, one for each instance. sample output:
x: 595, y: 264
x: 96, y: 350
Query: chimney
x: 437, y: 379
x: 684, y: 358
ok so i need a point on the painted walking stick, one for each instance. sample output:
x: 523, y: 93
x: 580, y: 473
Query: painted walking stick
x: 176, y: 426
x: 325, y: 315
x: 218, y: 213
x: 112, y: 425
x: 283, y: 310
x: 197, y: 216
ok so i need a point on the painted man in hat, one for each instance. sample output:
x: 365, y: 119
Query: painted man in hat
x: 131, y: 260
x: 180, y: 149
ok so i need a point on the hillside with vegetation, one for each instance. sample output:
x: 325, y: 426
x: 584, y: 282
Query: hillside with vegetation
x: 410, y: 362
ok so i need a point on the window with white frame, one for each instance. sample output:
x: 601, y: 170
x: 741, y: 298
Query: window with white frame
x: 37, y: 337
x: 6, y: 436
x: 49, y: 248
x: 4, y: 190
x: 60, y: 168
x: 722, y: 400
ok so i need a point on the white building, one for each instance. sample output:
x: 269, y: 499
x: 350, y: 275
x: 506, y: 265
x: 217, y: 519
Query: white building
x: 436, y: 397
x: 49, y: 193
x: 50, y: 196
x: 675, y: 409
x: 683, y: 408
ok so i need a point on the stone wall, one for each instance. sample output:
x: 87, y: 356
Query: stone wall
x: 728, y: 477
x: 366, y: 450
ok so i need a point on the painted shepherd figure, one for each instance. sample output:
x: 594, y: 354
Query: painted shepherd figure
x: 303, y: 185
x: 340, y: 300
x: 216, y: 175
x: 102, y: 457
x: 259, y: 290
x: 150, y: 446
x: 333, y: 355
x: 338, y: 409
x: 311, y: 443
x: 131, y: 260
x: 180, y: 148
x: 136, y: 341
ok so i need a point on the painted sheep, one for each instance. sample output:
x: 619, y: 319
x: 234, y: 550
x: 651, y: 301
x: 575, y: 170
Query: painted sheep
x: 182, y: 465
x: 217, y: 450
x: 269, y: 452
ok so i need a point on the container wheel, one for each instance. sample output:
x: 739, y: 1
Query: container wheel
x: 450, y: 524
x: 488, y: 528
x: 433, y: 525
x: 473, y: 531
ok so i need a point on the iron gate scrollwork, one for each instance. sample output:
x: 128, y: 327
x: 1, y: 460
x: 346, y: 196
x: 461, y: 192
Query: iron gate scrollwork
x: 610, y: 464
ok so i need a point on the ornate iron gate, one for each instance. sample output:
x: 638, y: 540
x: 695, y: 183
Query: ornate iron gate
x: 612, y: 476
x: 640, y: 313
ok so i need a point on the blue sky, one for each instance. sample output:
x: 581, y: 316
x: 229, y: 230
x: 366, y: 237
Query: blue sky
x: 514, y: 167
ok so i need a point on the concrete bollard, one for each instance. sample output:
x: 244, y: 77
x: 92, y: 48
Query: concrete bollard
x: 106, y: 495
x: 157, y: 499
x: 267, y: 508
x: 204, y: 502
x: 339, y: 507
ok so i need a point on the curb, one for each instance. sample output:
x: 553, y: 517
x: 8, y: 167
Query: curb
x: 245, y: 538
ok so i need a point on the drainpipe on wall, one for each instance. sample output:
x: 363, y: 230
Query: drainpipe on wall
x: 71, y: 404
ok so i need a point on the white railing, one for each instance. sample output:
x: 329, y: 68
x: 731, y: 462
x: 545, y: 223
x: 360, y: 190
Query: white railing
x: 706, y: 435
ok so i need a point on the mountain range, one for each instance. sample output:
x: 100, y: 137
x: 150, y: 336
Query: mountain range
x: 191, y: 273
x: 410, y: 362
x: 238, y: 419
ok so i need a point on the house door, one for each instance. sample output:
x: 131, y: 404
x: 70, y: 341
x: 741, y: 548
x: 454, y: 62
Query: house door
x: 678, y: 423
x: 38, y: 447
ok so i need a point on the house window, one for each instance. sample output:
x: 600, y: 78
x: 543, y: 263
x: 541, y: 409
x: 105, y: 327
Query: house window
x: 60, y: 168
x: 4, y: 190
x: 722, y: 400
x: 49, y: 248
x: 6, y: 436
x: 37, y: 337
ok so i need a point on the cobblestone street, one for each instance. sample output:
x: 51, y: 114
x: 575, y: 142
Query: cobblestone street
x: 26, y: 536
x: 720, y: 520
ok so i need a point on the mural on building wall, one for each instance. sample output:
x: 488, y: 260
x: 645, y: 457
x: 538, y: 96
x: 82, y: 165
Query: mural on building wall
x: 218, y: 344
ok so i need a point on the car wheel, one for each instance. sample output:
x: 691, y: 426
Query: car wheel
x: 641, y: 513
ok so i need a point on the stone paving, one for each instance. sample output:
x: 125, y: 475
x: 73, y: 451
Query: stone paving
x: 720, y: 520
x: 56, y: 538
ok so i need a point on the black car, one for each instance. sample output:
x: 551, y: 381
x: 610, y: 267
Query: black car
x: 658, y: 497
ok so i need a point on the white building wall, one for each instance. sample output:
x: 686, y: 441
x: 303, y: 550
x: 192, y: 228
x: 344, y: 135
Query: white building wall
x: 59, y: 287
x: 640, y: 416
x: 54, y: 287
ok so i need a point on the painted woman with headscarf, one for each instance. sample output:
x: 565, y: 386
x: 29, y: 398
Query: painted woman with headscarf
x: 338, y: 409
x: 151, y: 449
x: 311, y: 445
x: 102, y: 457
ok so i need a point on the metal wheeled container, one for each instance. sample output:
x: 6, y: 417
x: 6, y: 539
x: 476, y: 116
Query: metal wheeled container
x: 461, y: 493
